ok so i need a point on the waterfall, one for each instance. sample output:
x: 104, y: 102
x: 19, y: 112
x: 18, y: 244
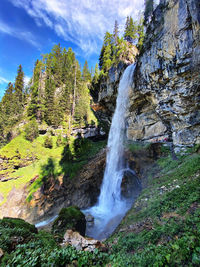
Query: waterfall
x: 110, y: 204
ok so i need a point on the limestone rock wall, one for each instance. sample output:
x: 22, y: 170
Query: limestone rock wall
x: 164, y: 102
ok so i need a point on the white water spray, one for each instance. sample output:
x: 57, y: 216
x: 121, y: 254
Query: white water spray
x: 110, y: 205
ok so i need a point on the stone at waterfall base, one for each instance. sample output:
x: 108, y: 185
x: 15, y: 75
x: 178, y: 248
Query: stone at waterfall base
x: 82, y: 243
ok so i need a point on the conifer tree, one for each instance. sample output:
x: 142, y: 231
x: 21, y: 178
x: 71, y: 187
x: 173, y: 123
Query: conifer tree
x: 140, y: 32
x: 8, y: 99
x: 116, y: 32
x: 106, y: 56
x: 19, y: 87
x: 57, y: 64
x: 86, y: 75
x: 36, y: 107
x: 130, y: 30
x: 101, y: 57
x: 96, y: 74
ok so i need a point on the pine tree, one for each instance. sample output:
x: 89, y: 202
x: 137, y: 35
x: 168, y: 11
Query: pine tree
x: 49, y: 100
x: 130, y: 33
x: 148, y: 11
x: 57, y: 64
x: 36, y: 107
x: 96, y: 74
x: 116, y: 32
x: 101, y: 57
x: 19, y: 87
x: 106, y: 56
x: 140, y: 32
x: 8, y: 99
x: 86, y: 75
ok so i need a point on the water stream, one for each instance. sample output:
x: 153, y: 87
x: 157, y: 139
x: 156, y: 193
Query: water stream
x: 111, y: 206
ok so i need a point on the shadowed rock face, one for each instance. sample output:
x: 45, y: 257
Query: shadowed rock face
x: 164, y: 100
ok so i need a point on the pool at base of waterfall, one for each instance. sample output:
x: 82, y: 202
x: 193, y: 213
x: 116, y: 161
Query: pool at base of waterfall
x: 102, y: 222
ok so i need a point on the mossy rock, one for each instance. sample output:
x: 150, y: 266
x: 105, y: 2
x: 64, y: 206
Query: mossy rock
x: 9, y: 222
x: 69, y: 218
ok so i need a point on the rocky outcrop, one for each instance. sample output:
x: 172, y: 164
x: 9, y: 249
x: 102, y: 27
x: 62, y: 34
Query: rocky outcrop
x: 164, y: 100
x: 109, y: 86
x: 46, y: 202
x: 82, y: 243
x: 166, y: 90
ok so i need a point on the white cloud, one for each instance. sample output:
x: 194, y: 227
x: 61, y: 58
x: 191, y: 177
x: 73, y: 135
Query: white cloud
x: 26, y: 80
x: 82, y: 22
x: 19, y: 34
x: 3, y: 80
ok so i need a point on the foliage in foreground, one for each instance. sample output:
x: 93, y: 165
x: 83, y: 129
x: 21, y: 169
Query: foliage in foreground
x: 166, y: 218
x: 165, y: 227
x: 24, y: 246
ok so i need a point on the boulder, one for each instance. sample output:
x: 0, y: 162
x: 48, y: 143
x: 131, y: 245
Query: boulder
x: 82, y: 243
x: 69, y: 218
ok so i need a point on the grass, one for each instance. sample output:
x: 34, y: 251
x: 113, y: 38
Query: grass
x: 165, y: 219
x: 20, y: 149
x: 161, y: 229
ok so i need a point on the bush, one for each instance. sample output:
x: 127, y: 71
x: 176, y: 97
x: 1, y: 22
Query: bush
x: 31, y: 130
x: 59, y: 140
x: 48, y: 143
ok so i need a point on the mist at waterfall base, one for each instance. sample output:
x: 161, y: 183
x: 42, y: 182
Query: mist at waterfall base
x: 111, y: 206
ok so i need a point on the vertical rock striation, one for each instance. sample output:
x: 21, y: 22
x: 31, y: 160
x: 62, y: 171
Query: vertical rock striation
x: 164, y: 102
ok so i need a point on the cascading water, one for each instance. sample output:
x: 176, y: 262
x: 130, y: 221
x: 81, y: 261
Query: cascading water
x: 111, y: 207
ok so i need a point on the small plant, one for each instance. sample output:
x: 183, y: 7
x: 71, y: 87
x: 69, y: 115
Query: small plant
x: 48, y: 143
x: 31, y: 130
x: 59, y: 140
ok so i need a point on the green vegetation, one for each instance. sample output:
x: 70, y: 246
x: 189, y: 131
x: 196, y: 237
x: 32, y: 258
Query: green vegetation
x: 161, y: 229
x: 69, y: 218
x: 31, y: 130
x: 48, y: 142
x: 115, y: 49
x: 165, y: 219
x: 57, y: 95
x: 34, y: 160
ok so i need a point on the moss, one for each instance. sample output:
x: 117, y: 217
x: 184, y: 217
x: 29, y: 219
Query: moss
x: 17, y: 223
x: 69, y: 218
x: 138, y: 146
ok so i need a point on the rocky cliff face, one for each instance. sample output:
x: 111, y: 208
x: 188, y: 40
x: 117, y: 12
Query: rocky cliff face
x: 164, y: 101
x: 81, y: 191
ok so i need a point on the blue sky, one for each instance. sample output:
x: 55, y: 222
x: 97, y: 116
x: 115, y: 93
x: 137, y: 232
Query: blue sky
x: 29, y: 28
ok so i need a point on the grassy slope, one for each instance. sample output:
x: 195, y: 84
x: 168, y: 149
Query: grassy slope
x: 19, y: 149
x: 163, y: 227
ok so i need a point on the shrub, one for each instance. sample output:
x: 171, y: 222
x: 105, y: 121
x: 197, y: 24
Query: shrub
x: 59, y: 140
x: 48, y: 143
x: 31, y: 130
